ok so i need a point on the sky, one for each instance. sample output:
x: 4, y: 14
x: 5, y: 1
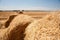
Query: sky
x: 29, y: 4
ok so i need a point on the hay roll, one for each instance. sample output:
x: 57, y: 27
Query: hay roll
x: 47, y: 28
x: 16, y: 28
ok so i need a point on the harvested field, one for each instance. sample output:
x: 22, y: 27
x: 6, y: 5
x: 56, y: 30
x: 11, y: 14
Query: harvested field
x: 36, y: 14
x: 7, y: 21
x: 7, y: 14
x: 30, y: 13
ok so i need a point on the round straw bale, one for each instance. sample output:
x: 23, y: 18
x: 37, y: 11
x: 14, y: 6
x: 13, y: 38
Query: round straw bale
x: 47, y: 28
x: 16, y: 28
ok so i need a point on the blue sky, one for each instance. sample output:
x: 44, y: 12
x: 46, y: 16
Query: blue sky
x: 29, y: 4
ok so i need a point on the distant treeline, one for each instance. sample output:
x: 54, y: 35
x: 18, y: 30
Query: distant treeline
x: 27, y: 10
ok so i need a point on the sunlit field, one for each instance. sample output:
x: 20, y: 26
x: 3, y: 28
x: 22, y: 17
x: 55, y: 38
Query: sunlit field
x: 9, y: 15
